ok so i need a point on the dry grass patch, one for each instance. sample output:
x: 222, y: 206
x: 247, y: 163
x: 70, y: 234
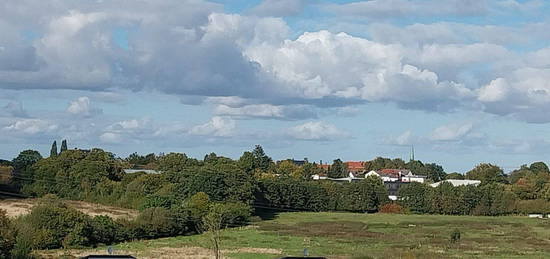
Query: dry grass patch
x: 17, y: 207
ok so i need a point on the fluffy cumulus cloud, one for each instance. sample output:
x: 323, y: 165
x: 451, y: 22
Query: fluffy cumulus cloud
x: 31, y: 127
x: 451, y: 132
x: 82, y: 107
x: 317, y: 130
x: 217, y: 127
x: 523, y: 94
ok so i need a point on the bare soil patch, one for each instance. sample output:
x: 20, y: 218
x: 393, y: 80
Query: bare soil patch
x: 17, y: 207
x: 184, y: 252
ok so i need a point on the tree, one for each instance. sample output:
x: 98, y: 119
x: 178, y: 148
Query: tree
x: 455, y: 175
x: 53, y: 151
x: 435, y: 172
x: 414, y: 196
x: 337, y: 169
x: 63, y: 146
x: 487, y: 173
x: 261, y: 160
x: 539, y: 167
x: 22, y: 166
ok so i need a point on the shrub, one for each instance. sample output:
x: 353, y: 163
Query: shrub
x: 106, y: 230
x: 155, y: 222
x: 455, y: 235
x: 52, y: 225
x: 7, y: 237
x: 392, y: 208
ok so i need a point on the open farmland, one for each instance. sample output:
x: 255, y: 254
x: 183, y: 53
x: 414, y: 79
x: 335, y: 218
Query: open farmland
x: 17, y: 207
x: 350, y: 235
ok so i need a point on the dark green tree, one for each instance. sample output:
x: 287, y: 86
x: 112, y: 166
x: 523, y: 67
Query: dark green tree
x: 63, y: 146
x: 337, y: 169
x: 539, y: 167
x: 455, y: 175
x: 261, y: 160
x: 487, y: 173
x: 53, y: 151
x: 434, y: 172
x: 414, y: 196
x: 22, y: 165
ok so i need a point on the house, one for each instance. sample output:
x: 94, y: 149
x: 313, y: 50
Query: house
x: 536, y: 216
x: 410, y: 177
x: 456, y: 182
x: 356, y: 167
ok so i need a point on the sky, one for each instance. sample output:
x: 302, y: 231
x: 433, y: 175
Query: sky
x: 463, y: 81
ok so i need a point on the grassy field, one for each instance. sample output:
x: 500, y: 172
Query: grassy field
x: 349, y: 235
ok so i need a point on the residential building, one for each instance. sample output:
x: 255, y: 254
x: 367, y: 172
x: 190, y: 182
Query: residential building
x: 456, y: 182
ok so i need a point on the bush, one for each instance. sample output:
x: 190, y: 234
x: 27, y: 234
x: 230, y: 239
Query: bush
x: 7, y: 235
x: 155, y: 222
x: 392, y: 208
x: 52, y: 225
x: 106, y: 231
x: 455, y: 235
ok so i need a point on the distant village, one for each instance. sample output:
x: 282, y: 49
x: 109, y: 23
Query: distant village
x: 393, y: 178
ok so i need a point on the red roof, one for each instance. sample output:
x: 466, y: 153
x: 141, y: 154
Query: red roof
x: 393, y: 171
x: 355, y: 165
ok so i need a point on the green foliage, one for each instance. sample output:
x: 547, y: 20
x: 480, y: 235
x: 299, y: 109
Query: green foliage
x: 487, y: 173
x: 106, y: 231
x: 455, y: 236
x: 414, y: 196
x: 364, y: 196
x: 454, y: 175
x: 175, y: 162
x: 539, y: 167
x: 63, y: 146
x: 381, y: 163
x: 337, y: 169
x: 53, y: 151
x: 7, y: 235
x: 292, y: 194
x: 256, y: 160
x: 155, y: 222
x: 52, y: 224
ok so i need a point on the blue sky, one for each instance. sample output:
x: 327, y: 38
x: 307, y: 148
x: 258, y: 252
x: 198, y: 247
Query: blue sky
x: 464, y: 81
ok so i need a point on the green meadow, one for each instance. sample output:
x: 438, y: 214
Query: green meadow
x: 353, y: 235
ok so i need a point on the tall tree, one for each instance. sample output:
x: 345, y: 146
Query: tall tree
x: 337, y: 169
x: 53, y: 151
x: 63, y: 146
x: 487, y: 173
x: 261, y: 160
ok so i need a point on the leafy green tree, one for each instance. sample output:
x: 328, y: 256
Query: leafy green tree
x: 337, y: 169
x: 287, y: 168
x: 434, y: 172
x: 364, y: 196
x: 22, y: 167
x: 175, y: 162
x: 487, y: 173
x: 382, y: 163
x: 454, y: 175
x: 63, y: 146
x: 539, y: 167
x: 53, y: 151
x: 261, y: 160
x: 155, y: 222
x: 414, y: 196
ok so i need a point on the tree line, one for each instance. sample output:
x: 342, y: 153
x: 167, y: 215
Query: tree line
x: 187, y: 192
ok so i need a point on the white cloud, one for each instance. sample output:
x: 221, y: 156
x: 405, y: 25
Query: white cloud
x: 31, y: 126
x: 523, y: 94
x: 217, y: 127
x: 268, y: 111
x: 451, y: 132
x: 15, y: 109
x: 82, y: 107
x: 110, y: 137
x: 278, y: 7
x: 385, y: 9
x: 317, y: 130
